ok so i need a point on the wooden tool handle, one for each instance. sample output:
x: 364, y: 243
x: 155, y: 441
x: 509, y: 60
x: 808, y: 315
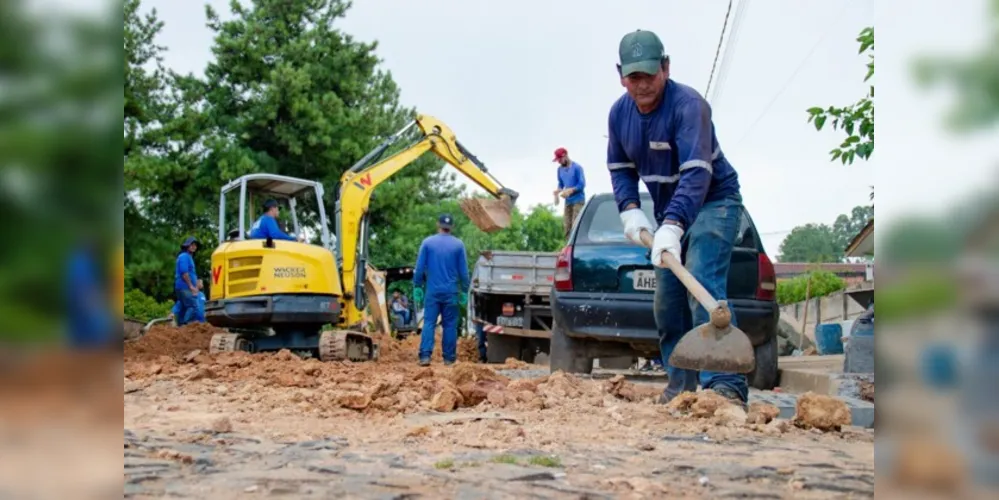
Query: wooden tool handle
x: 688, y: 280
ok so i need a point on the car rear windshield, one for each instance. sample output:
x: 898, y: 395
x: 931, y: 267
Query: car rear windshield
x: 601, y: 224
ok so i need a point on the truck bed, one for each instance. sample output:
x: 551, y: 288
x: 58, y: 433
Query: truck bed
x: 515, y: 273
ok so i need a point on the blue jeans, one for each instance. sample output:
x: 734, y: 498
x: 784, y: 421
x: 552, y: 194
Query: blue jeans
x: 189, y: 310
x: 404, y: 316
x: 708, y: 254
x: 434, y: 307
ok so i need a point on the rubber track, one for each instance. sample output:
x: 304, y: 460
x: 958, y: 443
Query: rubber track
x: 334, y: 345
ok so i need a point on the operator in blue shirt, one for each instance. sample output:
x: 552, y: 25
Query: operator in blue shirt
x: 267, y: 227
x: 185, y: 283
x: 442, y: 268
x: 661, y: 132
x: 571, y: 187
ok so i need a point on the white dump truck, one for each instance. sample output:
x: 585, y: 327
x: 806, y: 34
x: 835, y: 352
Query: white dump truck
x: 511, y: 297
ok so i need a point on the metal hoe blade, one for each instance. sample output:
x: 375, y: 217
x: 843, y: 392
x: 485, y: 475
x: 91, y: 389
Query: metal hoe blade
x: 715, y: 349
x: 715, y: 346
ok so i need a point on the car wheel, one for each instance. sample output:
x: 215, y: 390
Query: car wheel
x: 499, y: 348
x: 764, y: 377
x: 568, y: 354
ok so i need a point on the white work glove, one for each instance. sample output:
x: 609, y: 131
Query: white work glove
x: 667, y: 240
x: 635, y: 222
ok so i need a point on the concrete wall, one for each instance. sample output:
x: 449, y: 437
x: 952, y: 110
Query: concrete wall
x: 834, y: 308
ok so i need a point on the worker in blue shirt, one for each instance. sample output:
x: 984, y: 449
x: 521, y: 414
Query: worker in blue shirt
x: 661, y: 132
x: 185, y: 283
x: 571, y: 187
x: 267, y: 227
x: 200, y: 315
x: 442, y: 268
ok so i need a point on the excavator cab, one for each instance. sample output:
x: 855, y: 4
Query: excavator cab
x: 277, y: 294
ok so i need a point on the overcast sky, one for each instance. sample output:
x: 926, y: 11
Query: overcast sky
x: 517, y: 79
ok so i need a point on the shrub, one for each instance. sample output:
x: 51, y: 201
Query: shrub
x: 142, y: 307
x: 794, y: 290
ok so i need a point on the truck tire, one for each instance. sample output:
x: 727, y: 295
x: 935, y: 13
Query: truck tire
x: 499, y: 348
x: 764, y: 377
x: 568, y: 354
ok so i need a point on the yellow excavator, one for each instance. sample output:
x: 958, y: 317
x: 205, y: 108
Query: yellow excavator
x: 272, y: 295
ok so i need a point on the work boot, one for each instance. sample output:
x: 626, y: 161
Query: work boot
x: 448, y: 363
x: 424, y: 362
x: 732, y: 396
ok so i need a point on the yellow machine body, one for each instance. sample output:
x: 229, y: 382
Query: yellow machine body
x: 248, y: 269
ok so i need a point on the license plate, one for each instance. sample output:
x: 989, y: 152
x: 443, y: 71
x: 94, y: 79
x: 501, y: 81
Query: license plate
x: 513, y: 322
x: 645, y: 280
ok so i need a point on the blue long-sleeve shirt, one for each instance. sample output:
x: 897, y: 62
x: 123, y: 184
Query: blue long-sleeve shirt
x: 572, y: 177
x: 442, y: 266
x: 673, y: 150
x: 266, y: 227
x: 185, y: 264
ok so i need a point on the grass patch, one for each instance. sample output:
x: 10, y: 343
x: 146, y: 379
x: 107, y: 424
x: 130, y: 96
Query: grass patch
x: 552, y: 462
x: 444, y: 464
x: 504, y: 459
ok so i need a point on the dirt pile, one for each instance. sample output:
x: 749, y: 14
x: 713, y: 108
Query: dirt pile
x: 165, y: 340
x: 622, y: 389
x: 825, y: 413
x: 408, y: 349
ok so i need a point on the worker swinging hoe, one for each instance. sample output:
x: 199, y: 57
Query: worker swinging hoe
x: 272, y: 295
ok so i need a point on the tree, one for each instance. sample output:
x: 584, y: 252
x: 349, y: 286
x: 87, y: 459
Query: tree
x: 856, y: 120
x: 811, y: 243
x: 847, y: 227
x: 974, y: 77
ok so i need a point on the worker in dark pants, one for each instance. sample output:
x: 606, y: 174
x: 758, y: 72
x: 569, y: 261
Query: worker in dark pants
x: 185, y: 283
x: 443, y: 268
x: 661, y: 133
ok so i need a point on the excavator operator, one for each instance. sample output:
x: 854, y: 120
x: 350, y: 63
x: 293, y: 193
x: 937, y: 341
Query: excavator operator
x: 443, y: 268
x: 266, y: 227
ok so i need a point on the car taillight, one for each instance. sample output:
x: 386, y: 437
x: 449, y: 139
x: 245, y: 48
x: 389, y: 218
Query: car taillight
x: 563, y: 270
x: 767, y: 287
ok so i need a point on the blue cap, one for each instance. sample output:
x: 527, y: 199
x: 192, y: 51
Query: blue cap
x: 445, y: 221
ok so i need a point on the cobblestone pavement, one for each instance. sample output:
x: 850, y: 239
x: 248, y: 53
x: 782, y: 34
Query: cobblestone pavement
x: 200, y: 463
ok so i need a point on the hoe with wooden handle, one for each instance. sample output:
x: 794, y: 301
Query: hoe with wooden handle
x: 715, y: 346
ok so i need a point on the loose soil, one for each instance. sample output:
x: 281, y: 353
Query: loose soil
x: 431, y: 415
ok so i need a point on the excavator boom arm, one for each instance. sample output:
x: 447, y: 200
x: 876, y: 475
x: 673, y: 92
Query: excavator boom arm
x: 358, y: 183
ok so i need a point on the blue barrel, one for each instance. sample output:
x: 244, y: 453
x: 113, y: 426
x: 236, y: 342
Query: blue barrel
x: 829, y: 339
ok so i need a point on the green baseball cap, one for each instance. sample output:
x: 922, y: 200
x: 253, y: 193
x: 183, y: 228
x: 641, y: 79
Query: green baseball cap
x: 641, y: 52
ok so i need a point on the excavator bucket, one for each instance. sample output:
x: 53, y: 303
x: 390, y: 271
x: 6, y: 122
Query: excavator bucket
x: 489, y: 215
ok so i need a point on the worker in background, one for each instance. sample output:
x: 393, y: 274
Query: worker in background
x: 185, y: 282
x: 661, y: 132
x: 443, y: 269
x: 89, y: 319
x: 571, y: 188
x: 400, y: 306
x: 267, y: 227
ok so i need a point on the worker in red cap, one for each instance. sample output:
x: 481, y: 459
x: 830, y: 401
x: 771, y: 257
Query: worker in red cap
x: 571, y: 185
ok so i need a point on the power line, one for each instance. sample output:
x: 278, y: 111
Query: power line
x: 721, y: 40
x: 790, y: 79
x: 731, y: 47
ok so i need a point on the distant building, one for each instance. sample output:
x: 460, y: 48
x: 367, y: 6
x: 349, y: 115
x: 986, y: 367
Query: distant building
x: 863, y: 243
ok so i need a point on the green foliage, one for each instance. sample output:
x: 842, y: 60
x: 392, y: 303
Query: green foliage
x: 811, y: 243
x: 58, y: 155
x: 795, y: 290
x: 856, y: 120
x: 145, y: 308
x: 975, y: 77
x: 920, y: 294
x: 289, y: 93
x: 822, y: 243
